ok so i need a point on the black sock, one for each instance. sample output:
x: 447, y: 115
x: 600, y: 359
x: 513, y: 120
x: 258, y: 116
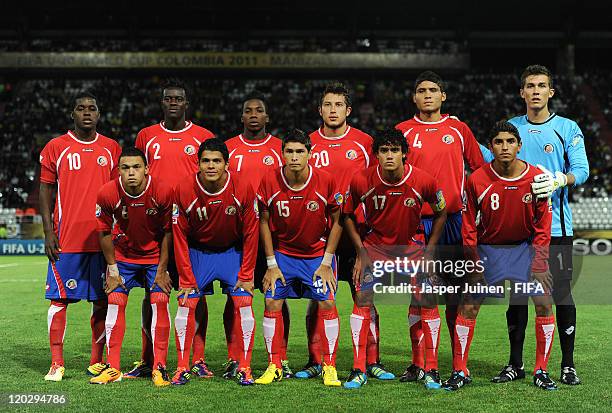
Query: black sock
x: 516, y: 318
x: 566, y: 320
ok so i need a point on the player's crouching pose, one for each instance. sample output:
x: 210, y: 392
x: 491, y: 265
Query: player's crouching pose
x: 136, y: 251
x: 297, y: 203
x: 511, y: 218
x: 393, y: 194
x: 215, y: 227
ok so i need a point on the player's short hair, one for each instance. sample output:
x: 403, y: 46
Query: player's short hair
x: 299, y: 136
x: 256, y: 95
x: 337, y: 88
x: 431, y: 76
x: 504, y: 126
x: 84, y: 94
x: 173, y: 83
x: 533, y: 70
x: 392, y: 137
x: 133, y: 151
x: 214, y: 144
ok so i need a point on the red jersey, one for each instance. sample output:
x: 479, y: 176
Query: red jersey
x: 79, y: 168
x: 392, y: 211
x: 508, y: 212
x: 299, y: 218
x: 442, y: 148
x: 216, y: 221
x: 140, y: 221
x: 172, y: 155
x: 254, y: 158
x: 342, y: 156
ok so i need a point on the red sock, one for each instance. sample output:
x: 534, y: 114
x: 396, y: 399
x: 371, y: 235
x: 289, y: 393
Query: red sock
x: 273, y: 335
x: 184, y: 327
x: 145, y: 330
x: 360, y: 328
x: 464, y: 331
x: 450, y: 313
x: 545, y: 333
x: 287, y: 325
x: 228, y: 322
x: 160, y: 328
x: 201, y: 322
x: 56, y: 326
x: 115, y: 328
x: 314, y: 337
x: 329, y: 327
x: 373, y: 349
x: 430, y: 322
x: 244, y: 329
x: 416, y: 336
x: 98, y: 339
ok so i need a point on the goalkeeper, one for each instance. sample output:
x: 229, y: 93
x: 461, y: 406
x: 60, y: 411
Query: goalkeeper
x: 556, y: 145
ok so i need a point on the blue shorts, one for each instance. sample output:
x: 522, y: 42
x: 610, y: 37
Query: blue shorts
x: 452, y: 229
x: 209, y: 266
x: 298, y: 272
x: 76, y: 276
x: 509, y: 262
x: 137, y: 275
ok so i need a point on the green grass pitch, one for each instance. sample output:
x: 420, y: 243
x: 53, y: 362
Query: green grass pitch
x: 25, y: 358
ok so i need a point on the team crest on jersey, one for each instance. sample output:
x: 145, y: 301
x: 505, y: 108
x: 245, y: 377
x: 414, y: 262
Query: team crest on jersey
x: 98, y: 211
x: 312, y: 206
x: 71, y: 284
x: 548, y: 148
x: 151, y: 211
x: 339, y: 198
x: 190, y: 149
x: 230, y: 210
x: 448, y: 139
x: 409, y: 202
x: 527, y: 198
x: 102, y: 161
x: 268, y: 160
x: 351, y: 154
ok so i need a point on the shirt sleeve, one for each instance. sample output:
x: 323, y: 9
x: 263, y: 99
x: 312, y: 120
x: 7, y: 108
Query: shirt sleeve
x: 471, y: 150
x: 262, y: 196
x: 116, y: 154
x: 468, y: 224
x: 180, y: 228
x: 541, y: 239
x: 104, y: 211
x: 486, y: 153
x: 166, y: 208
x: 48, y: 164
x: 353, y: 196
x: 250, y: 234
x: 335, y: 197
x: 576, y: 154
x: 140, y: 140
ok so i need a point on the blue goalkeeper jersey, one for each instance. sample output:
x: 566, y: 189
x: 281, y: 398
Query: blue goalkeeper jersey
x: 558, y: 145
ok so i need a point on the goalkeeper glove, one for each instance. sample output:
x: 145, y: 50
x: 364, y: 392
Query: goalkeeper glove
x: 546, y: 183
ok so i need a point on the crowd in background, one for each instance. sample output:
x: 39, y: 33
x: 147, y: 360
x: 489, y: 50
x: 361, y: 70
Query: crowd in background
x: 36, y: 110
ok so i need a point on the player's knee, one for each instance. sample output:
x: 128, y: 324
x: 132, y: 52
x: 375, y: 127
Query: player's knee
x: 159, y: 298
x: 364, y: 299
x: 469, y: 311
x: 543, y: 310
x: 313, y: 307
x: 274, y: 305
x: 327, y: 305
x: 562, y: 293
x: 146, y: 300
x: 191, y: 303
x: 242, y: 301
x: 116, y: 298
